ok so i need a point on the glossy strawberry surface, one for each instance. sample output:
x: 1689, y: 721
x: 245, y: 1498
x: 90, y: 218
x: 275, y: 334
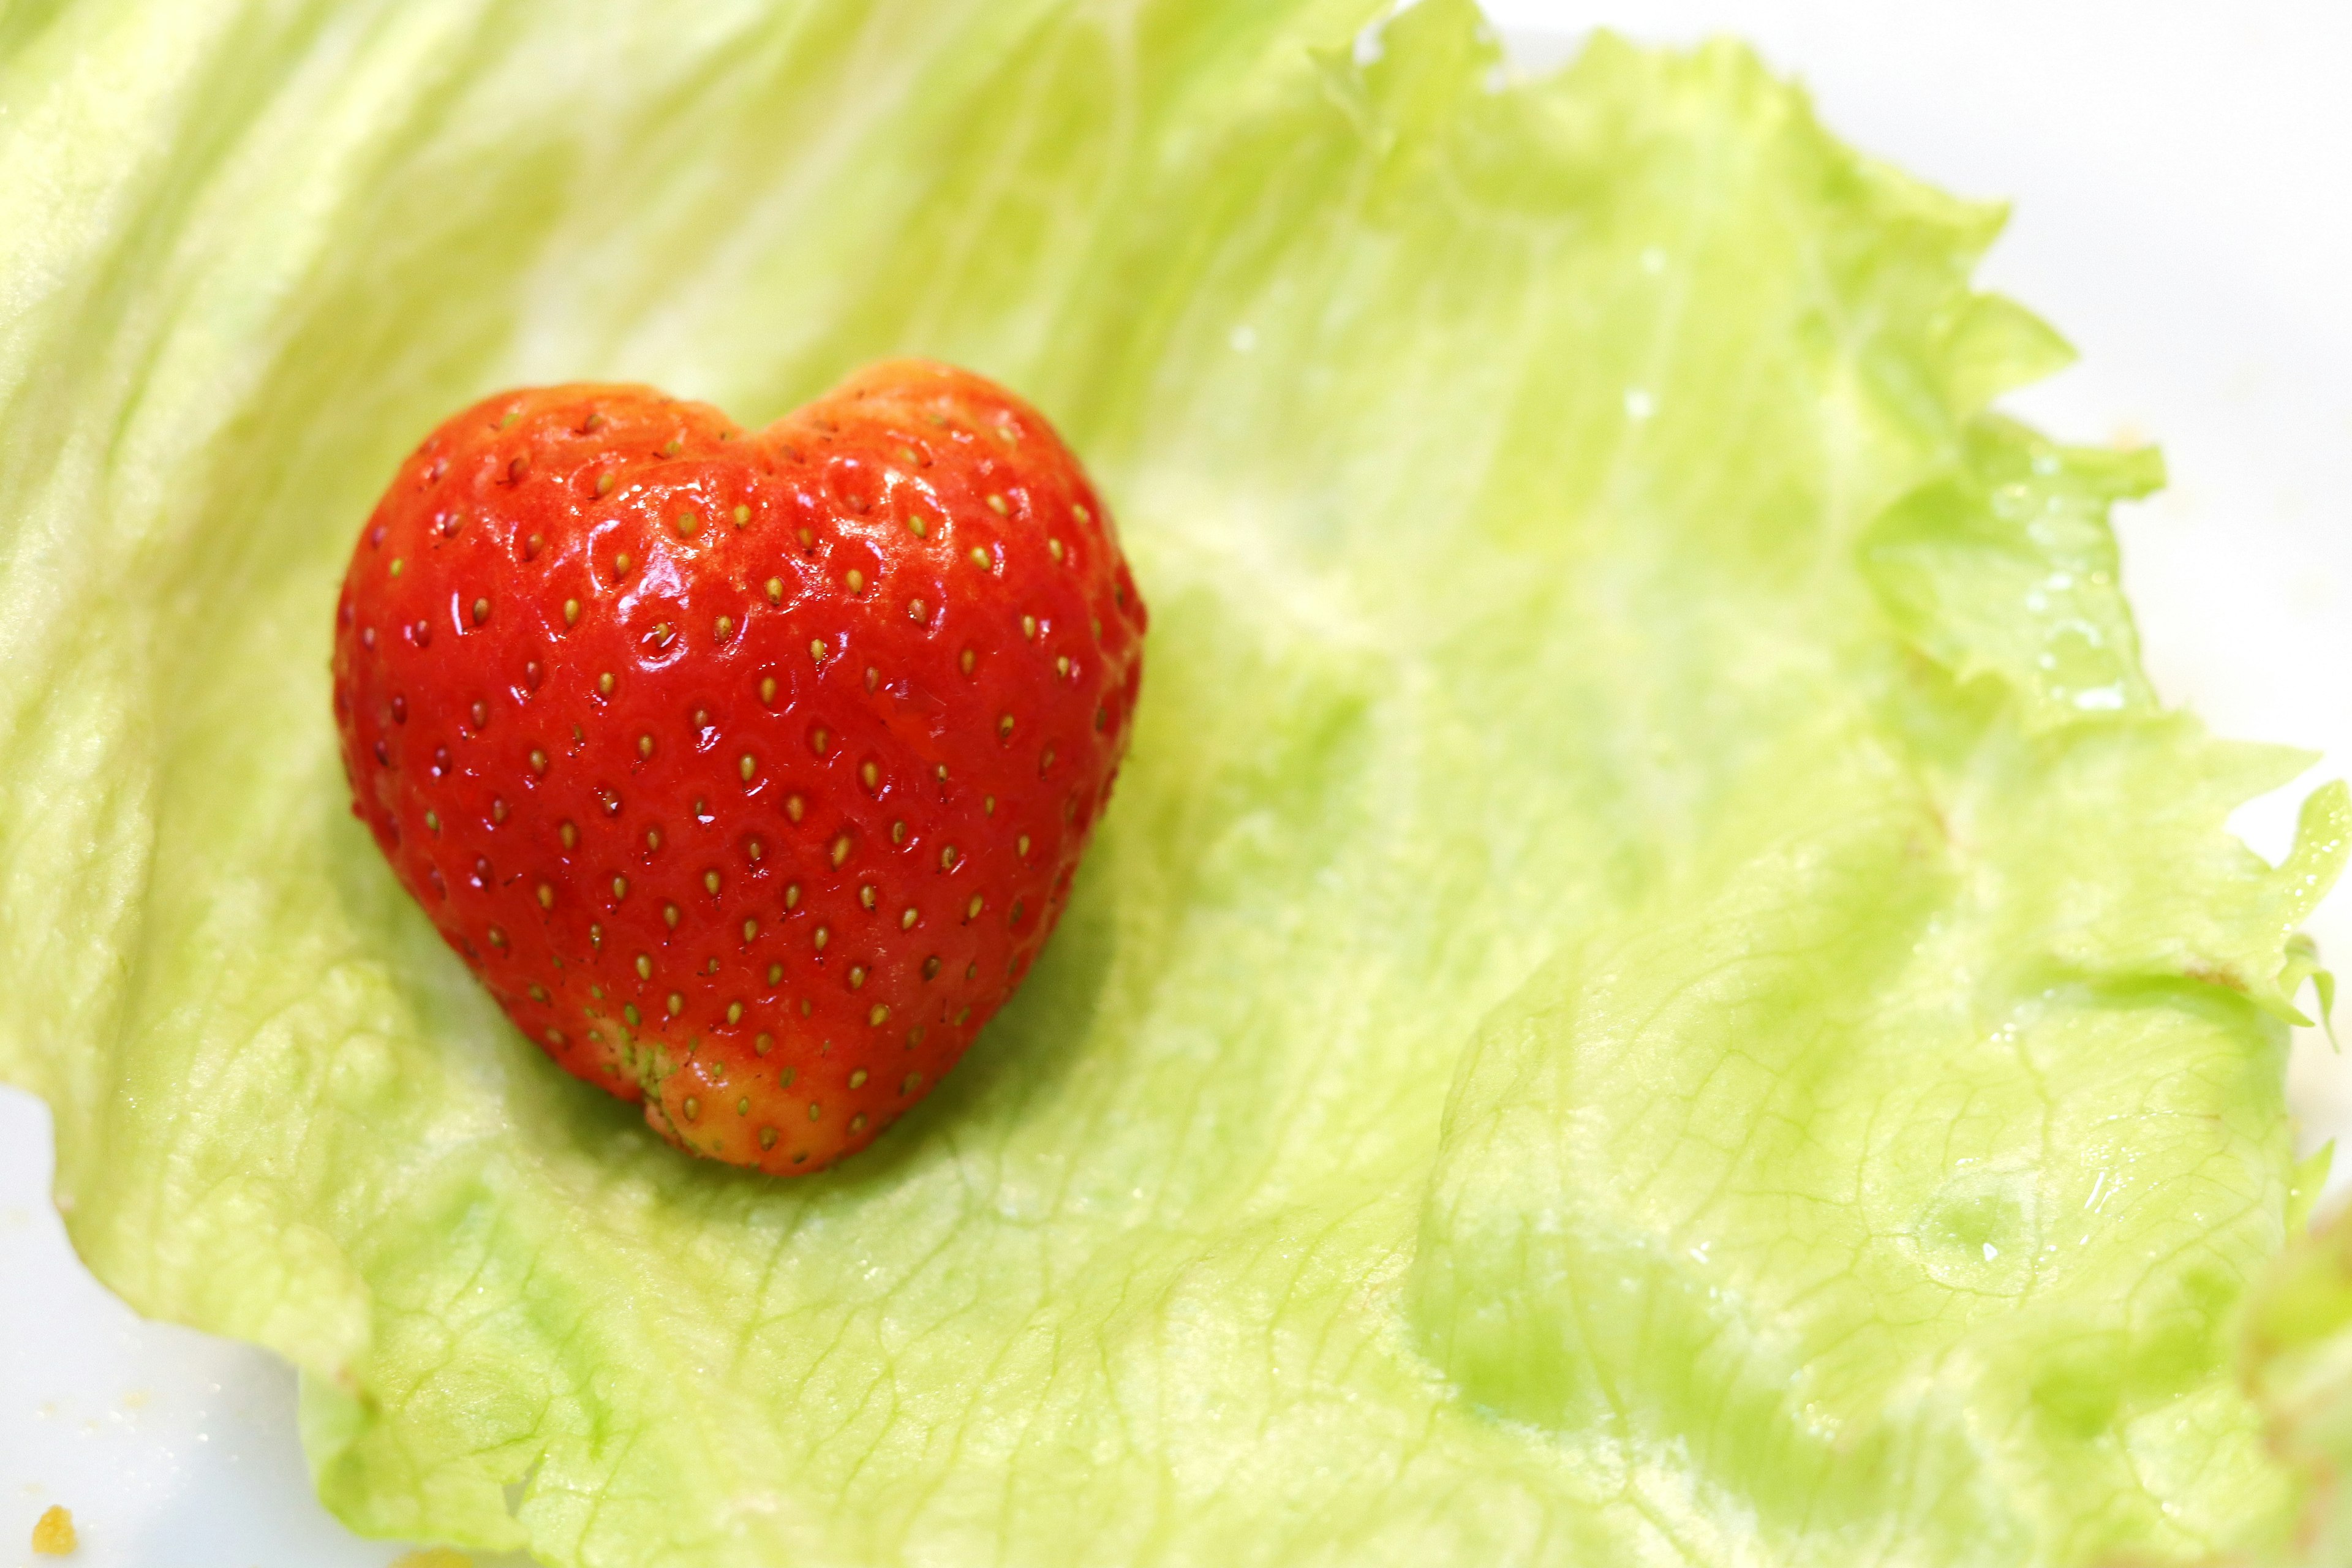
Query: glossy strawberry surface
x: 748, y: 771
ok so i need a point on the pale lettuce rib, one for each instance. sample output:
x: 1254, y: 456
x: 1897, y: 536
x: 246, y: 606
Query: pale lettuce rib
x: 1658, y: 988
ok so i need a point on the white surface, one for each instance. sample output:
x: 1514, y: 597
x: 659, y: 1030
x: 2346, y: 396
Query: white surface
x: 2178, y: 175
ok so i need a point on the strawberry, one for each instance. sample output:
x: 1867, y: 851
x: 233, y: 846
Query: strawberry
x: 748, y: 771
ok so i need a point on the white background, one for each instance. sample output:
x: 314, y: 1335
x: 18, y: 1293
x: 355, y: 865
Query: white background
x: 2182, y: 181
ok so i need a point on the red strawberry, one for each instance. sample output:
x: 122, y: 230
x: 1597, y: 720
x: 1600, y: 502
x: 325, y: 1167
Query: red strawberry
x: 749, y: 771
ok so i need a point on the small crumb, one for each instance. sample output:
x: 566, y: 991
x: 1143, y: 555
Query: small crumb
x: 52, y: 1533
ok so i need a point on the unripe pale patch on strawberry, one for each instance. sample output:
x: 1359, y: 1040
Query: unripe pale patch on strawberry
x: 569, y: 542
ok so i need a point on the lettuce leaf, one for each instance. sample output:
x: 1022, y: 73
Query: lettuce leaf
x: 2297, y: 1361
x: 1658, y: 988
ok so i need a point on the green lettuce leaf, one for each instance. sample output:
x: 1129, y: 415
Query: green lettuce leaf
x: 2297, y: 1357
x: 1658, y: 987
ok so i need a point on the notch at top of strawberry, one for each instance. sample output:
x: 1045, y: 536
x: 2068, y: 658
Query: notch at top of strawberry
x: 748, y: 770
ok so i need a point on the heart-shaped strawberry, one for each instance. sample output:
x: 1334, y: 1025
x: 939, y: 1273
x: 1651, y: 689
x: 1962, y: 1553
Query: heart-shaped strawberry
x: 748, y: 771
